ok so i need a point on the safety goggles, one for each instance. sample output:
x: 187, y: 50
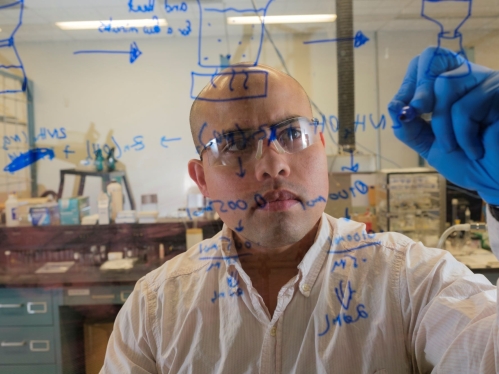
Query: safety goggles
x: 289, y: 136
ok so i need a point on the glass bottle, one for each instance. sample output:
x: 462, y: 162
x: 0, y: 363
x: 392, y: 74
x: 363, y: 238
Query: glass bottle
x: 111, y: 160
x: 99, y: 160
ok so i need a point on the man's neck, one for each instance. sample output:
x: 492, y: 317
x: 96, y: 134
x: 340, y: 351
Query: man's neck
x: 285, y: 252
x: 271, y: 268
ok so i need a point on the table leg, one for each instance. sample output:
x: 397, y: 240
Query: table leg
x: 129, y: 193
x: 61, y: 186
x: 105, y: 182
x: 82, y: 185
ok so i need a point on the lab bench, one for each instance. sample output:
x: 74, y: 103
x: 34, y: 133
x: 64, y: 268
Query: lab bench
x: 479, y: 261
x: 42, y: 315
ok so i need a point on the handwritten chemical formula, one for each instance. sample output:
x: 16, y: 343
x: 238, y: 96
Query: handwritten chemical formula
x: 59, y: 136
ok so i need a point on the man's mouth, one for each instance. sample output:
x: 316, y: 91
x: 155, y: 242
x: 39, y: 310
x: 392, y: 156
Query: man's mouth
x: 278, y: 200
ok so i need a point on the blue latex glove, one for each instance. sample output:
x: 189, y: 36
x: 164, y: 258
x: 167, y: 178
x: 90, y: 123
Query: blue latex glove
x: 462, y: 140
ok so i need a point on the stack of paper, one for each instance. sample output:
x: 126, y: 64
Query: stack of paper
x: 123, y: 264
x: 148, y: 217
x: 126, y: 216
x: 55, y: 267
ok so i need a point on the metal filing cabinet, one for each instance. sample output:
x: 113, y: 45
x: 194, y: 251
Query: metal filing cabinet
x: 42, y: 327
x: 30, y: 339
x: 27, y: 333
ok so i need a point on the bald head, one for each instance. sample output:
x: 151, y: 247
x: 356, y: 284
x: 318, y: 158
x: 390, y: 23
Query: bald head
x: 251, y: 99
x: 242, y: 94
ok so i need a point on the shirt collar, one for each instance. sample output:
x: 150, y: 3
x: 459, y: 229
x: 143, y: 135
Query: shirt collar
x: 313, y: 260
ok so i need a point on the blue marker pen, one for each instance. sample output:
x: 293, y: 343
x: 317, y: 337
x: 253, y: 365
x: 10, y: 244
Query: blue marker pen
x: 407, y: 114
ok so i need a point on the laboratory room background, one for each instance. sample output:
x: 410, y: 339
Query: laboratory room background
x: 249, y: 186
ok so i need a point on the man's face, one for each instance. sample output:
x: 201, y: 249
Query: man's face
x: 291, y: 184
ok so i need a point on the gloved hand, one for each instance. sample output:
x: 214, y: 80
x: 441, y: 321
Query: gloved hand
x: 462, y: 139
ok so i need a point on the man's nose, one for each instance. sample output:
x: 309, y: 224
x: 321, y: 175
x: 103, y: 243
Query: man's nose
x: 271, y: 161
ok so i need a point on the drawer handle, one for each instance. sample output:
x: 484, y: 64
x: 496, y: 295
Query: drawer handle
x: 12, y: 344
x: 124, y: 295
x: 10, y: 306
x: 36, y: 311
x: 44, y: 348
x: 103, y: 297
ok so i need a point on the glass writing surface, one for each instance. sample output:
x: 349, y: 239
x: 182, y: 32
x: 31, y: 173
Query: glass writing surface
x: 96, y: 91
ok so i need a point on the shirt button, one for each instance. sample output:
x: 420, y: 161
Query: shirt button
x: 273, y: 331
x: 305, y: 287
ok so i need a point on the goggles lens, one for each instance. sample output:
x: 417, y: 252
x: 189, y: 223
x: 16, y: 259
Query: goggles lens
x: 290, y: 136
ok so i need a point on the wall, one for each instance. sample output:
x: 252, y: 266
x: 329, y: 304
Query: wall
x: 98, y: 98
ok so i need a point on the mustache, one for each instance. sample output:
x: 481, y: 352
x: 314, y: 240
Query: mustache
x: 275, y: 191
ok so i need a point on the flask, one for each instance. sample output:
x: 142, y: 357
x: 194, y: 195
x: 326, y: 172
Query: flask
x: 467, y: 215
x: 99, y: 160
x: 115, y: 191
x: 195, y: 202
x: 161, y: 251
x: 449, y: 36
x: 149, y: 203
x: 111, y: 160
x: 454, y: 203
x: 11, y: 206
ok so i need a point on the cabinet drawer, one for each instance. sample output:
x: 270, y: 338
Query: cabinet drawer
x: 97, y: 295
x: 25, y: 307
x: 27, y: 345
x: 28, y: 369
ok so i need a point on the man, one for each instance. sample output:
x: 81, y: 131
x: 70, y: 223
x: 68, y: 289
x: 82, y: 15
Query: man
x: 285, y: 288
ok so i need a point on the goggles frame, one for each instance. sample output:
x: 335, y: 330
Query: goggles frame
x: 271, y: 139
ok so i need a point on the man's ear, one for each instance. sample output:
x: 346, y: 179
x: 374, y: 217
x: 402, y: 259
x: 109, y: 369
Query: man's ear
x: 196, y: 172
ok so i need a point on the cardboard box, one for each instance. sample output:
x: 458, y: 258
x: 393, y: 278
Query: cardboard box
x: 24, y: 207
x: 96, y: 336
x: 73, y: 209
x: 44, y: 214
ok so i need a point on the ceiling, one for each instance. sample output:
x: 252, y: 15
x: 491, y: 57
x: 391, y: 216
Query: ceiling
x: 38, y: 23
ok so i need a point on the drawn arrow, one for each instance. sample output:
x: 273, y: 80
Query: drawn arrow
x: 358, y: 40
x: 242, y: 172
x: 134, y: 52
x: 28, y: 158
x: 354, y: 167
x: 340, y: 294
x: 239, y: 227
x: 164, y: 140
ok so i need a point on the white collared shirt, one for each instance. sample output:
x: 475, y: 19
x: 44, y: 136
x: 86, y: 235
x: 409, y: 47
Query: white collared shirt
x: 359, y: 304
